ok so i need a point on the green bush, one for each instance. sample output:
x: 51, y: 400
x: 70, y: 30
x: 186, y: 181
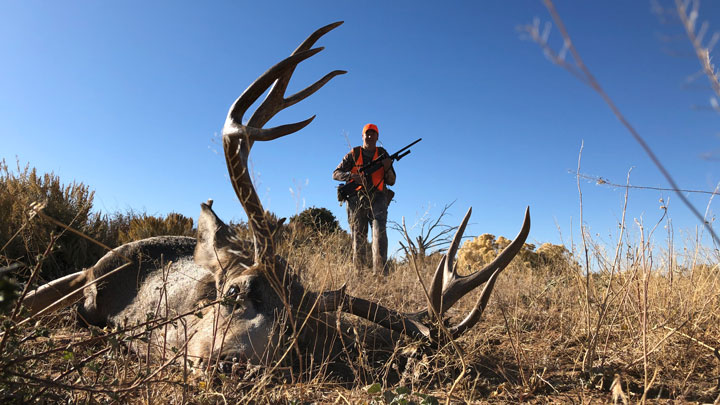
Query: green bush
x: 131, y: 226
x: 317, y: 220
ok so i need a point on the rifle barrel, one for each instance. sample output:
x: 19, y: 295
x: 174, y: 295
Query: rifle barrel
x: 414, y: 142
x: 402, y: 155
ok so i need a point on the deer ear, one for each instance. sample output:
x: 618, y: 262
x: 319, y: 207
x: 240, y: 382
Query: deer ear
x: 213, y: 240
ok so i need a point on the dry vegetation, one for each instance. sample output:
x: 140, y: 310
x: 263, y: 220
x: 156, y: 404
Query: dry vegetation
x: 596, y: 323
x: 644, y: 322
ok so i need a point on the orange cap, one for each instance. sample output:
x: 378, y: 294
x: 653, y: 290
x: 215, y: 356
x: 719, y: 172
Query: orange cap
x: 370, y: 126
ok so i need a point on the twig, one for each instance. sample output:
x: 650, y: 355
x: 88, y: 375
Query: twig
x: 24, y: 293
x: 648, y: 385
x: 589, y: 353
x: 50, y: 308
x: 160, y: 322
x: 516, y: 350
x: 604, y: 307
x: 70, y: 370
x: 701, y: 343
x: 605, y: 182
x: 46, y: 217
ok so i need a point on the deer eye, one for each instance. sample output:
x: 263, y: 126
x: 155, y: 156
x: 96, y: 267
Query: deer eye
x: 232, y: 291
x: 231, y: 296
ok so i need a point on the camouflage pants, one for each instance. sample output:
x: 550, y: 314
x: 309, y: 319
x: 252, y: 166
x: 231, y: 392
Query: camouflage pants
x: 361, y: 214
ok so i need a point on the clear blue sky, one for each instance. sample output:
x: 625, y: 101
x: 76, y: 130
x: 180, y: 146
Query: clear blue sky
x: 129, y: 97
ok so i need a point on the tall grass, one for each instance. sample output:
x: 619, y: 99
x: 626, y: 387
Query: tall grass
x: 654, y: 314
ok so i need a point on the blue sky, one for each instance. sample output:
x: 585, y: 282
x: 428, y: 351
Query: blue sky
x: 129, y: 98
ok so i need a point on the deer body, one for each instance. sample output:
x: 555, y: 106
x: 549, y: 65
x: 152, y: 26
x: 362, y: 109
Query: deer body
x: 128, y: 295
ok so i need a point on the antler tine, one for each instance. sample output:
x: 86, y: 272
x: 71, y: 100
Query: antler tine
x: 474, y: 316
x: 312, y: 38
x: 436, y: 289
x: 275, y: 100
x: 446, y: 271
x: 308, y: 91
x: 450, y: 272
x: 233, y: 123
x: 461, y: 285
x: 385, y: 317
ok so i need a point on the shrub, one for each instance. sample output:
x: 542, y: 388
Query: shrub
x: 318, y: 220
x: 483, y: 249
x: 24, y: 241
x: 131, y: 226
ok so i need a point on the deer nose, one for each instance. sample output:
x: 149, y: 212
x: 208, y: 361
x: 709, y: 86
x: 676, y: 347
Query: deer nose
x: 224, y: 367
x: 231, y: 363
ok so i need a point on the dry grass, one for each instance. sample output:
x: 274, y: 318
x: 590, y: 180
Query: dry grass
x: 653, y: 320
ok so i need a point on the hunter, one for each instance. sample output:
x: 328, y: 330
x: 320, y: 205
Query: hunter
x: 368, y: 205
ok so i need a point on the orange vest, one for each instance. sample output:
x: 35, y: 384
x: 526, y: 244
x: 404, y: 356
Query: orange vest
x: 378, y: 177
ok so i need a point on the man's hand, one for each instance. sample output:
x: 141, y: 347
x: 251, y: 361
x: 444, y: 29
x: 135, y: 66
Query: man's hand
x: 357, y: 177
x: 387, y: 163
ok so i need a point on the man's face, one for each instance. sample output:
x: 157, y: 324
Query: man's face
x: 370, y: 138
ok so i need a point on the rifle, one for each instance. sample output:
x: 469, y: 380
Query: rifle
x: 345, y: 191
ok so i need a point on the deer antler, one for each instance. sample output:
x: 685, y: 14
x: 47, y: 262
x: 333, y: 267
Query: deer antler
x: 455, y: 286
x: 446, y: 288
x: 238, y: 138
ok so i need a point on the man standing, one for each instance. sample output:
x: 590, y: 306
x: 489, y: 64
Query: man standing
x: 368, y: 204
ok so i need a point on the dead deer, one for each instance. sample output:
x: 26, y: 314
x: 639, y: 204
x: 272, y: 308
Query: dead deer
x: 230, y: 295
